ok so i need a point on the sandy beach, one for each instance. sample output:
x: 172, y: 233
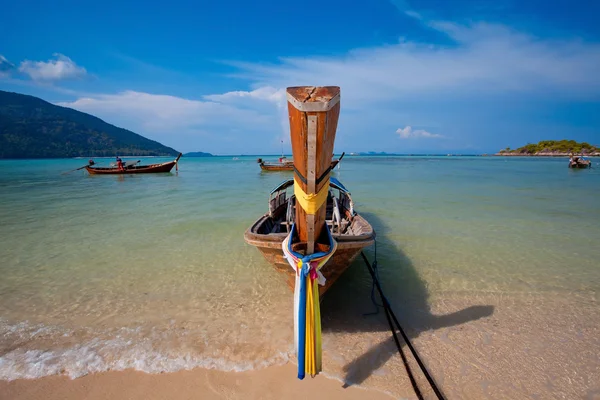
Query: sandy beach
x: 270, y: 383
x: 527, y: 354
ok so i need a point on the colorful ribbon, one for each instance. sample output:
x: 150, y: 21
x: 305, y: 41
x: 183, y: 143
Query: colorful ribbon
x: 311, y: 203
x: 307, y: 312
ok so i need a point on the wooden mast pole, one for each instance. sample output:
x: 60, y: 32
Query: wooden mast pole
x: 313, y: 114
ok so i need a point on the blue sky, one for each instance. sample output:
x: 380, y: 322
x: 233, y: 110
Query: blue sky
x: 429, y: 76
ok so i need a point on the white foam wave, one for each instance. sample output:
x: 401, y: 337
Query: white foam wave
x: 120, y: 352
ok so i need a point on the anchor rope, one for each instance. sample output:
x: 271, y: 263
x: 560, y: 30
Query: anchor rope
x: 373, y: 300
x: 389, y: 313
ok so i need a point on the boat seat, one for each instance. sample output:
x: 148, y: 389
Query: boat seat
x: 276, y: 228
x: 345, y: 227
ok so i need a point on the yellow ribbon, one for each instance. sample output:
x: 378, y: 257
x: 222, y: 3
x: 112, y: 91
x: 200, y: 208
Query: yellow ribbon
x: 311, y: 203
x: 313, y: 339
x: 313, y: 344
x: 309, y: 363
x: 318, y: 345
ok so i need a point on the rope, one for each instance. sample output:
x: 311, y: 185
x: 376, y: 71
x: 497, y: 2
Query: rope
x: 391, y: 316
x: 373, y: 300
x: 319, y: 179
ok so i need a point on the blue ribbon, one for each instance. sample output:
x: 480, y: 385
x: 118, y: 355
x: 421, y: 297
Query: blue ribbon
x: 302, y: 317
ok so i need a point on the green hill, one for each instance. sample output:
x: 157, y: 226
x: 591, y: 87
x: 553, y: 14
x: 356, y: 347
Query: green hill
x: 197, y: 154
x: 552, y: 147
x: 33, y: 128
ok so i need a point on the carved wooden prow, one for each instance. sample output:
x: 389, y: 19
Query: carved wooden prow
x: 313, y: 113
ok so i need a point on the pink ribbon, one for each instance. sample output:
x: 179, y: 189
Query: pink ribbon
x: 313, y: 271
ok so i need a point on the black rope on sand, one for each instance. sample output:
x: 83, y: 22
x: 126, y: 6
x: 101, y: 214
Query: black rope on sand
x: 373, y: 300
x: 389, y: 314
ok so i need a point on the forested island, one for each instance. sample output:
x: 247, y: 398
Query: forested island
x: 33, y: 128
x: 197, y: 154
x: 552, y: 148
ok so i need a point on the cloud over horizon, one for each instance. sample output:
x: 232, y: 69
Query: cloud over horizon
x: 409, y: 132
x: 175, y: 120
x: 60, y: 68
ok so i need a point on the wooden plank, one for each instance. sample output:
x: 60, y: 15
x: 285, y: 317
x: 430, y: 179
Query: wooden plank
x: 312, y: 153
x: 313, y: 115
x: 311, y: 178
x: 308, y: 106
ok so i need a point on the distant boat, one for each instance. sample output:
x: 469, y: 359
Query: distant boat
x: 284, y: 164
x: 134, y: 169
x: 579, y: 162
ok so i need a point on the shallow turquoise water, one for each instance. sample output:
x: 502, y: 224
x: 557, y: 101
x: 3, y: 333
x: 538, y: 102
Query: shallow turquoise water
x: 152, y: 272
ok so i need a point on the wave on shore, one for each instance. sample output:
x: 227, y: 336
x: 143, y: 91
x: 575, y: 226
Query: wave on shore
x: 33, y: 351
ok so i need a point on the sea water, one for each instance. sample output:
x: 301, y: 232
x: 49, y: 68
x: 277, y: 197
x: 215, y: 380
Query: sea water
x: 151, y: 272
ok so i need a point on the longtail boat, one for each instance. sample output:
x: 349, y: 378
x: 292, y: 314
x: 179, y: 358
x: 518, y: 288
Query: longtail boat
x: 349, y: 229
x: 312, y: 235
x: 579, y: 162
x: 284, y: 164
x: 135, y: 169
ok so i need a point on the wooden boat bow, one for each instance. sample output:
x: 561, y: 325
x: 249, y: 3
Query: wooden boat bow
x: 313, y: 115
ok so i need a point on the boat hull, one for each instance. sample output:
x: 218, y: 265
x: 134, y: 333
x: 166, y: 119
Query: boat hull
x: 348, y: 248
x: 277, y: 167
x: 286, y: 166
x: 142, y: 169
x: 580, y: 165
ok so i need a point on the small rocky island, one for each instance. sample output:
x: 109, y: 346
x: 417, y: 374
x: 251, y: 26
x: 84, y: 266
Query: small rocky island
x: 552, y: 148
x: 197, y: 154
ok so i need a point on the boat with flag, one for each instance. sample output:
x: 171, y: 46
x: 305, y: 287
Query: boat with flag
x: 133, y: 168
x: 311, y: 233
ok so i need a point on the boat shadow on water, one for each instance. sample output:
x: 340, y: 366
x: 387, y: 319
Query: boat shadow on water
x: 347, y: 306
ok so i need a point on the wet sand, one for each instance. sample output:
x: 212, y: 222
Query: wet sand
x: 269, y: 383
x: 521, y: 350
x: 481, y: 345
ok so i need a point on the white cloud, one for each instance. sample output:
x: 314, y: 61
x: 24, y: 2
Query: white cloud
x: 6, y: 67
x: 159, y: 112
x: 174, y: 120
x: 60, y: 68
x: 263, y: 99
x: 267, y: 93
x: 485, y: 58
x: 413, y: 14
x: 409, y: 132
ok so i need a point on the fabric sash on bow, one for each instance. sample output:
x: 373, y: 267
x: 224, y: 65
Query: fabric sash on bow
x: 307, y: 313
